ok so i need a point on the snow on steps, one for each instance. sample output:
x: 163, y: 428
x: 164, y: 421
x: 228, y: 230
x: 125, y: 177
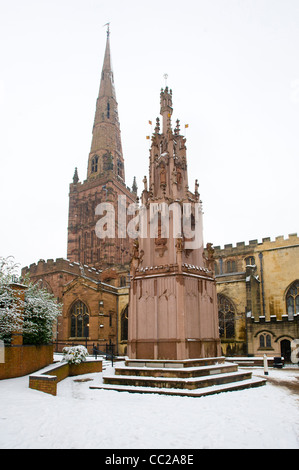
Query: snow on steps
x: 184, y: 372
x: 185, y: 378
x: 250, y: 383
x: 154, y: 363
x: 173, y: 382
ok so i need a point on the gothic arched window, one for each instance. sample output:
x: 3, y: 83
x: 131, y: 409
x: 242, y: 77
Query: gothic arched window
x: 292, y: 300
x: 79, y: 320
x: 250, y: 261
x: 226, y: 314
x: 265, y: 340
x: 94, y: 164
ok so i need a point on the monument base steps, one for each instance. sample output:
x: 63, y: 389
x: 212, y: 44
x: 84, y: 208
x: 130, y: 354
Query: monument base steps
x: 192, y: 377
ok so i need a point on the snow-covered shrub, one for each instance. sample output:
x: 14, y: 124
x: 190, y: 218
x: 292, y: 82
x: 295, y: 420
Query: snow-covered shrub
x: 74, y: 354
x: 10, y: 320
x: 34, y: 317
x: 40, y: 314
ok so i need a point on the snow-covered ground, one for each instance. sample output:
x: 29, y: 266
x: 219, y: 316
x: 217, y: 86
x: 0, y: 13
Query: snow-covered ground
x: 80, y: 418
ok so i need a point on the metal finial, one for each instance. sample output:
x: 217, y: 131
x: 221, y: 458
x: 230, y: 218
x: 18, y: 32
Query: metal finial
x: 108, y: 29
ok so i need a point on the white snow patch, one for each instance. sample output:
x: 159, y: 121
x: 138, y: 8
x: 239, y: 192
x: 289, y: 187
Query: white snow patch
x: 79, y: 417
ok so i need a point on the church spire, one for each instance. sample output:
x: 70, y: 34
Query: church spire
x: 76, y: 177
x: 105, y: 182
x: 107, y: 82
x: 106, y: 148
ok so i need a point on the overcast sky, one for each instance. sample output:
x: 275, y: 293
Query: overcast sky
x: 234, y: 70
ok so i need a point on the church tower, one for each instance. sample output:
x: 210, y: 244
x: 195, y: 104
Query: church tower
x: 105, y: 183
x: 173, y: 304
x: 106, y: 149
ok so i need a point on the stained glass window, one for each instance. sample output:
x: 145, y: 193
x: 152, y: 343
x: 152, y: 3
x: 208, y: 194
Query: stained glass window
x: 79, y: 320
x: 226, y: 314
x: 292, y: 300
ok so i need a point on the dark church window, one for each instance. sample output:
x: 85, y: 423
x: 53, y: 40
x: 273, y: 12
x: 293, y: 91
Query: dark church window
x: 226, y: 313
x: 250, y: 261
x: 79, y: 320
x: 94, y: 164
x: 108, y: 110
x: 268, y: 341
x: 119, y: 167
x: 265, y: 340
x: 192, y: 222
x: 292, y: 300
x: 124, y: 325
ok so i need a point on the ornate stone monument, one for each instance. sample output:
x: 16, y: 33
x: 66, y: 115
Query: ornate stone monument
x: 173, y: 344
x: 173, y: 303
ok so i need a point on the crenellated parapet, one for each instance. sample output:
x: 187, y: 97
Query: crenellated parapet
x: 50, y: 266
x: 234, y: 258
x: 274, y: 319
x: 255, y: 245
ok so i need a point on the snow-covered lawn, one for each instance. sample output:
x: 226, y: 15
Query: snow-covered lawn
x: 78, y: 417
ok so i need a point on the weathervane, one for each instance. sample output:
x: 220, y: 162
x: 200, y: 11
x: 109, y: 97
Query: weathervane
x: 108, y: 28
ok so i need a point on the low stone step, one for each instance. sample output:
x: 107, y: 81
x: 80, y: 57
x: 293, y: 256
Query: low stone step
x: 244, y: 384
x: 172, y: 364
x: 174, y: 382
x: 183, y: 372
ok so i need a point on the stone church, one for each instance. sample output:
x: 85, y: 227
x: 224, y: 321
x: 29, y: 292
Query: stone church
x: 257, y: 284
x: 258, y: 296
x: 93, y: 281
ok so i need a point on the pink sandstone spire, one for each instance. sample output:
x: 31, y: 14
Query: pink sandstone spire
x: 173, y: 304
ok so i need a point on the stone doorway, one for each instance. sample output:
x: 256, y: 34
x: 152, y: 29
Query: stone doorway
x: 285, y: 350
